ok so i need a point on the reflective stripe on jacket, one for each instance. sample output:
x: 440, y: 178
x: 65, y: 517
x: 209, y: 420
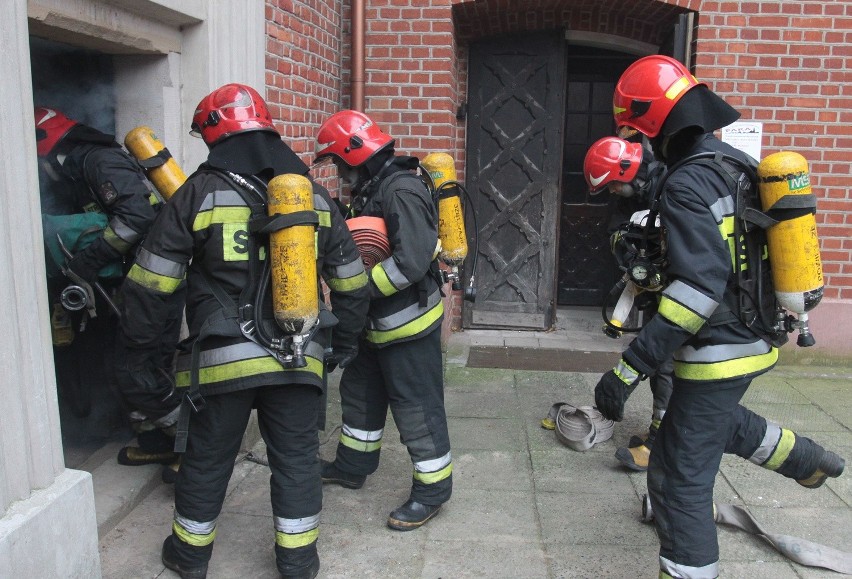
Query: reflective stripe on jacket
x: 697, y: 211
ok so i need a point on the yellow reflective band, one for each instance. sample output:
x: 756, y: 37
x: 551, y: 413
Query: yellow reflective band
x: 727, y: 369
x: 782, y: 450
x: 243, y: 369
x: 297, y: 540
x: 410, y: 329
x: 433, y: 477
x: 205, y: 219
x: 192, y: 538
x: 680, y: 315
x: 117, y: 243
x: 349, y: 284
x: 324, y: 218
x: 678, y: 87
x: 360, y: 445
x: 617, y: 110
x: 382, y: 281
x: 148, y: 279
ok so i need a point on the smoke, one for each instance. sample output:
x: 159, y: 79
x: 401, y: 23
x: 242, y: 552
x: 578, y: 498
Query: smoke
x: 76, y: 81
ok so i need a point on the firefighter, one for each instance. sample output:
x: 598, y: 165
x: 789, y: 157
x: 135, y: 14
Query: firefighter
x: 629, y: 171
x: 399, y: 358
x: 225, y: 369
x: 716, y: 355
x: 85, y: 174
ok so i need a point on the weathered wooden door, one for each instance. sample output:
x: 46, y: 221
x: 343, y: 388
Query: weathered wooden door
x: 587, y: 269
x: 514, y: 155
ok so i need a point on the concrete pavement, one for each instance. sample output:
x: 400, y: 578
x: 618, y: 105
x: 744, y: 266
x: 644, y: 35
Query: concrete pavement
x: 523, y: 505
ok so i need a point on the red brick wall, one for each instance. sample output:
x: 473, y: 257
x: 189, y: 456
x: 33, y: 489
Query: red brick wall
x: 303, y: 67
x: 787, y: 65
x: 784, y: 63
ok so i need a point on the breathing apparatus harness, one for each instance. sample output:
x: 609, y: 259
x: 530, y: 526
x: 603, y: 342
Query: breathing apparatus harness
x: 245, y: 317
x: 755, y: 305
x: 445, y: 190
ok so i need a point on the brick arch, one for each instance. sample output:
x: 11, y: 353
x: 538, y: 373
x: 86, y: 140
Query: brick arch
x: 641, y: 20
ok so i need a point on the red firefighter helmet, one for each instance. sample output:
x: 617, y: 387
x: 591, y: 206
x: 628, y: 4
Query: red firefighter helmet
x: 51, y: 125
x: 611, y: 159
x: 228, y: 110
x: 647, y: 92
x: 351, y: 136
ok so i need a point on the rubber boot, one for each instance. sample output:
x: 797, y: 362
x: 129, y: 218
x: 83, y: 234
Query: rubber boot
x: 635, y: 457
x: 830, y: 465
x: 170, y: 560
x: 411, y: 515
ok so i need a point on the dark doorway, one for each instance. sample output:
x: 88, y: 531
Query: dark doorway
x: 514, y: 156
x: 587, y: 269
x: 79, y: 83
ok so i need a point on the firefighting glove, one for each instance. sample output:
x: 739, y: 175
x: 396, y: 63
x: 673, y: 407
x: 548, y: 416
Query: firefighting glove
x: 614, y: 388
x: 87, y: 262
x: 340, y: 357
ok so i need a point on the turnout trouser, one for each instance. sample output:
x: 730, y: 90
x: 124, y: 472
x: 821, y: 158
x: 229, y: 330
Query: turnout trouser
x: 703, y: 420
x: 287, y: 416
x: 407, y: 378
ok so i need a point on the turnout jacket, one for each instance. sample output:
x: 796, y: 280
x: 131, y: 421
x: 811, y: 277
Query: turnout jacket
x: 102, y: 177
x: 406, y: 301
x: 202, y: 235
x: 697, y: 213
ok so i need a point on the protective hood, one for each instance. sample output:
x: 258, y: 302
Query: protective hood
x: 256, y: 153
x: 699, y: 107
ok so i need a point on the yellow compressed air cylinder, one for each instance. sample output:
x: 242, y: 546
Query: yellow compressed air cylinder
x: 451, y: 232
x: 793, y: 243
x: 292, y: 251
x: 143, y: 144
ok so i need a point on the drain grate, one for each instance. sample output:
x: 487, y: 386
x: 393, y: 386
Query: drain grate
x: 542, y: 359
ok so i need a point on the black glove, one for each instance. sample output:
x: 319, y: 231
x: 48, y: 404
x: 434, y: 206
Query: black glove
x: 614, y: 388
x: 88, y: 262
x: 341, y: 357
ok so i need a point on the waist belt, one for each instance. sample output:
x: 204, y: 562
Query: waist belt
x: 578, y: 427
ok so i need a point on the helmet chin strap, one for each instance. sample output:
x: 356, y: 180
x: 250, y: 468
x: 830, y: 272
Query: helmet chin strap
x: 369, y: 183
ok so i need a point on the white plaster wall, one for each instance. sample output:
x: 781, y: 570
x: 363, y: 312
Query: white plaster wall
x: 169, y: 54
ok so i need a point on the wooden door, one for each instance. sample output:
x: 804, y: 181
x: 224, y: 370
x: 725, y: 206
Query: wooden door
x: 513, y: 174
x: 587, y: 269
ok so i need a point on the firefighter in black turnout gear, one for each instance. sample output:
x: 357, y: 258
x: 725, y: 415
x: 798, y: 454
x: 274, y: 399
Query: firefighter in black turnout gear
x: 87, y: 179
x: 399, y: 359
x: 225, y: 370
x: 716, y: 354
x: 629, y: 171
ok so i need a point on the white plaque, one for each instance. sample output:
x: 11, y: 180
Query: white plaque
x: 745, y: 136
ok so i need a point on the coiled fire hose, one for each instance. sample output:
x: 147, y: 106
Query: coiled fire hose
x: 578, y: 427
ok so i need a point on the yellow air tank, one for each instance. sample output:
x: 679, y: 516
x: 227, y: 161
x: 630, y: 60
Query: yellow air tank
x: 162, y: 170
x: 451, y: 232
x: 292, y: 251
x: 793, y: 243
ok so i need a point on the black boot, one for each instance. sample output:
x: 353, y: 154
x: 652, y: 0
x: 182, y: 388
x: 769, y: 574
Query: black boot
x: 297, y: 562
x: 830, y: 465
x: 309, y: 573
x: 332, y: 475
x: 169, y: 559
x: 411, y: 515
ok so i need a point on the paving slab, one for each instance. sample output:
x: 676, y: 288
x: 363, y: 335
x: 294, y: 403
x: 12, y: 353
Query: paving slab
x: 523, y: 505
